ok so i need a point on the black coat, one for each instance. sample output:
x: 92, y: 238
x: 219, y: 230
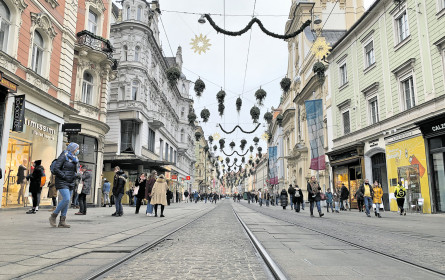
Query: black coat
x: 298, y: 199
x: 344, y: 193
x: 35, y: 179
x: 141, y: 191
x: 120, y: 178
x: 66, y: 172
x: 283, y: 198
x: 362, y: 190
x: 311, y: 195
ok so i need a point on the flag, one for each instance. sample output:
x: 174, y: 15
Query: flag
x: 314, y: 116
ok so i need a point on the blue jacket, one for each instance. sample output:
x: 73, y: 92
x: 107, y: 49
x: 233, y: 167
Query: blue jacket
x: 329, y: 197
x: 107, y: 187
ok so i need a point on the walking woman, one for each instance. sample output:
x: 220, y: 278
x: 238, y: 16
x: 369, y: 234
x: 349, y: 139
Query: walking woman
x: 120, y: 179
x: 141, y: 183
x: 148, y: 189
x: 283, y: 198
x: 35, y: 188
x: 314, y: 189
x: 377, y: 199
x: 158, y: 194
x: 66, y: 170
x: 86, y: 188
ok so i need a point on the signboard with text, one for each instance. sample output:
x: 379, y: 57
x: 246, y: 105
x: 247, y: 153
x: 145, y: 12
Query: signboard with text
x: 19, y: 113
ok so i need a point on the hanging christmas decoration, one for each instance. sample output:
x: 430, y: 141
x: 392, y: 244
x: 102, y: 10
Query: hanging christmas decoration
x: 215, y: 148
x: 257, y: 161
x: 256, y: 140
x: 192, y: 118
x: 235, y: 159
x: 280, y: 119
x: 206, y: 148
x: 220, y: 158
x: 260, y: 95
x: 240, y: 128
x: 265, y: 136
x: 243, y: 144
x: 259, y: 149
x: 221, y: 108
x: 251, y: 149
x: 320, y: 48
x: 260, y: 24
x: 255, y: 113
x: 239, y: 103
x: 198, y: 135
x: 220, y: 96
x: 210, y: 139
x: 260, y: 155
x: 268, y: 117
x: 216, y: 136
x: 234, y: 152
x: 319, y: 69
x: 228, y: 160
x: 205, y: 114
x: 243, y: 159
x: 199, y: 87
x: 232, y: 145
x: 221, y: 143
x: 173, y: 74
x: 200, y: 44
x: 285, y: 84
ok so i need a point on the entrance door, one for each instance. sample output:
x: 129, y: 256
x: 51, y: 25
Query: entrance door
x: 379, y: 174
x: 439, y: 181
x: 17, y: 152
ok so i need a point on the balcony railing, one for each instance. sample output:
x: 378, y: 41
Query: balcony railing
x: 95, y: 42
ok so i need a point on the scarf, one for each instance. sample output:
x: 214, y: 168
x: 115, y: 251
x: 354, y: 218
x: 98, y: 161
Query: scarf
x: 314, y: 187
x: 70, y: 157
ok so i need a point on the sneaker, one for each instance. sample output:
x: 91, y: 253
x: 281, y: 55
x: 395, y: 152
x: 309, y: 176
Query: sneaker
x: 369, y: 216
x: 404, y: 213
x: 162, y: 216
x: 147, y: 214
x: 114, y: 214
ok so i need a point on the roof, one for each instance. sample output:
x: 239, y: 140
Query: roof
x: 115, y: 10
x: 332, y: 36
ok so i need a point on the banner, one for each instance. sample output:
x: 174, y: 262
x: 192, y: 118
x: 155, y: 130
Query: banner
x: 273, y: 173
x: 19, y: 113
x: 314, y: 116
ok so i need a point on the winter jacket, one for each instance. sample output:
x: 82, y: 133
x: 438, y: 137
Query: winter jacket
x: 107, y: 187
x: 329, y: 197
x: 378, y: 194
x: 298, y: 197
x: 291, y: 190
x: 311, y: 195
x: 35, y: 179
x: 52, y: 191
x: 141, y: 191
x: 283, y: 198
x: 120, y: 179
x: 359, y: 195
x: 86, y: 179
x: 149, y: 186
x: 186, y: 194
x: 66, y: 172
x: 344, y: 193
x: 159, y: 191
x: 21, y: 174
x: 362, y: 190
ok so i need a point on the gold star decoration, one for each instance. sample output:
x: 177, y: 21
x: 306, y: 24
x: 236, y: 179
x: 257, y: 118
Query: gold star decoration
x: 220, y: 159
x: 216, y: 136
x: 265, y: 136
x: 320, y: 48
x: 200, y: 44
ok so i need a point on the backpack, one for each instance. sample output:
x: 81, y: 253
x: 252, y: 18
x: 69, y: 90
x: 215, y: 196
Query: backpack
x: 297, y: 194
x: 43, y: 178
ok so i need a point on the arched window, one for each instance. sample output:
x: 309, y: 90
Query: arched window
x: 5, y: 17
x: 139, y: 13
x: 87, y: 88
x: 92, y: 22
x: 128, y: 13
x: 37, y: 53
x: 137, y: 51
x: 125, y: 56
x: 182, y: 135
x: 134, y: 90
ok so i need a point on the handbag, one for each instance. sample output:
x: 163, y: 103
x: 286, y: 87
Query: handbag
x: 135, y: 191
x: 79, y: 188
x: 322, y: 196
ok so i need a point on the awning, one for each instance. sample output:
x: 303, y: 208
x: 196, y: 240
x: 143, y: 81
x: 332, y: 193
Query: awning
x: 133, y: 162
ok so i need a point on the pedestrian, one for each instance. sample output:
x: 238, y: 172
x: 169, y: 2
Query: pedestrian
x: 368, y: 193
x: 377, y: 199
x: 337, y: 199
x: 141, y: 184
x: 360, y: 199
x: 260, y: 197
x: 21, y: 180
x: 158, y: 194
x: 314, y: 197
x: 35, y: 187
x: 215, y: 197
x: 106, y: 193
x: 186, y: 195
x: 119, y: 181
x: 86, y: 188
x: 256, y: 198
x: 400, y: 193
x: 344, y: 197
x: 66, y: 170
x: 267, y: 197
x: 75, y: 195
x: 169, y: 196
x: 291, y: 191
x: 52, y: 192
x: 148, y: 189
x: 283, y: 199
x: 298, y: 199
x: 329, y: 200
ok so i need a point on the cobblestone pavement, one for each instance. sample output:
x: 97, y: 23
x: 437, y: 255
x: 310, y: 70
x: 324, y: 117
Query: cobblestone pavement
x: 416, y: 238
x: 214, y: 247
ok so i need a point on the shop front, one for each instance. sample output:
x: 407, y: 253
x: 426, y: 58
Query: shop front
x: 406, y: 162
x: 348, y: 169
x: 433, y: 131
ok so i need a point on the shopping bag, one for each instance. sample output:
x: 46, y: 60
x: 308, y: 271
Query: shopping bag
x: 79, y: 188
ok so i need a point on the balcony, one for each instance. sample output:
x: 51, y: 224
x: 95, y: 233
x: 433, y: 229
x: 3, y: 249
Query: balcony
x: 91, y: 44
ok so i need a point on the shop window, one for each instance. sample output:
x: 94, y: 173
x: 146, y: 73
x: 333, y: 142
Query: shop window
x: 92, y: 22
x: 369, y: 54
x: 346, y: 122
x: 37, y: 52
x: 125, y: 53
x: 139, y: 13
x: 407, y: 86
x: 373, y: 110
x: 128, y: 136
x: 134, y: 90
x: 401, y: 26
x: 137, y: 52
x: 5, y: 23
x: 151, y: 140
x: 87, y: 88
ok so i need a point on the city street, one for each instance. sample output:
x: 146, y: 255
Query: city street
x: 215, y: 246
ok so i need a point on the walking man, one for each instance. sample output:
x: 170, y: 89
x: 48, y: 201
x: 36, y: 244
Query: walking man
x: 344, y: 196
x: 368, y: 193
x: 291, y: 191
x: 400, y: 194
x: 314, y: 190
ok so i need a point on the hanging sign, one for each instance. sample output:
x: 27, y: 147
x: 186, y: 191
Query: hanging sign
x: 19, y: 113
x: 174, y: 177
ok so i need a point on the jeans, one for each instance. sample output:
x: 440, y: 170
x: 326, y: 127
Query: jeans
x: 64, y: 203
x: 83, y: 203
x: 291, y: 201
x: 368, y: 204
x: 267, y: 202
x: 149, y: 206
x: 106, y: 198
x: 135, y: 200
x: 297, y: 206
x: 35, y: 200
x: 118, y: 203
x: 75, y: 200
x: 260, y: 201
x: 329, y: 205
x: 312, y: 206
x: 345, y: 204
x: 377, y: 208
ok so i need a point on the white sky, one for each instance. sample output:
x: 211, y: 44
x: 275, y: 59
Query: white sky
x: 266, y: 67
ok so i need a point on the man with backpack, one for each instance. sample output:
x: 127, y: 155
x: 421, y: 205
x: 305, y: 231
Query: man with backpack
x: 291, y: 191
x: 400, y: 193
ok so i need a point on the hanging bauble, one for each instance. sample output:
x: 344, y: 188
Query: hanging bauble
x: 206, y: 148
x: 232, y: 145
x: 243, y: 159
x: 221, y: 108
x: 243, y: 144
x: 198, y: 135
x: 260, y: 154
x: 221, y: 143
x: 227, y: 160
x: 251, y: 149
x: 257, y: 161
x: 256, y: 140
x: 173, y: 74
x: 319, y: 69
x: 192, y: 117
x: 255, y: 113
x: 285, y: 84
x: 210, y: 139
x: 259, y: 149
x: 250, y: 161
x: 220, y: 96
x: 199, y: 87
x: 215, y: 148
x: 239, y: 103
x: 205, y: 114
x: 235, y: 159
x: 280, y: 119
x: 260, y: 95
x: 268, y: 117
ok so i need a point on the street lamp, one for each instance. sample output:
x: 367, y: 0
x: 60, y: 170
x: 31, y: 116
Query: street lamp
x: 202, y: 20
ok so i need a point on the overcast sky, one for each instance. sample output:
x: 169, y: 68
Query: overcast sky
x: 266, y: 66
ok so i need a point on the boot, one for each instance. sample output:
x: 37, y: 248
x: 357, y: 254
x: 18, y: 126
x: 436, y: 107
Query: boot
x: 378, y: 215
x: 53, y: 220
x: 62, y: 223
x: 321, y: 214
x: 375, y: 212
x: 31, y: 211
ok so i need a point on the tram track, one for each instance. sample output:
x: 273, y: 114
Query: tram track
x: 354, y: 244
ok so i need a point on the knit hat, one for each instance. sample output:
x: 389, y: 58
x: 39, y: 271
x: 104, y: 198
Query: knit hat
x: 72, y: 147
x: 38, y: 162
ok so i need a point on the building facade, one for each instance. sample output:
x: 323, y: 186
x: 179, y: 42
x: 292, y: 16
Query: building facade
x: 387, y: 91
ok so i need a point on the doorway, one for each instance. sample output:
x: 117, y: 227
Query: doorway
x: 379, y: 174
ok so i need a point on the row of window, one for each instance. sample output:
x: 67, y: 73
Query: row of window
x: 138, y: 13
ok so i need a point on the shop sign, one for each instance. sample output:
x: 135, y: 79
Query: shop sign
x: 373, y: 143
x: 187, y: 178
x: 8, y: 84
x: 401, y: 136
x: 174, y: 177
x: 19, y: 113
x: 71, y: 128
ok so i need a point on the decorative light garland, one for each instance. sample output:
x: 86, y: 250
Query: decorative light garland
x: 244, y: 131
